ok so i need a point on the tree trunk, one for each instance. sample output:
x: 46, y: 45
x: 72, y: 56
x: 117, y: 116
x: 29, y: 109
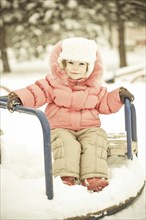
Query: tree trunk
x: 110, y: 37
x: 3, y: 47
x: 121, y: 36
x: 122, y: 50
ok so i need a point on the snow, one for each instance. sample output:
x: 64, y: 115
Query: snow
x: 72, y: 4
x: 22, y: 170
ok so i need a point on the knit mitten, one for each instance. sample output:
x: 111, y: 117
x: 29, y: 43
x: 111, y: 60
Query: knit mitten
x: 124, y: 93
x: 13, y: 100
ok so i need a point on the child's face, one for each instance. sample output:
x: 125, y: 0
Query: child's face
x: 76, y: 69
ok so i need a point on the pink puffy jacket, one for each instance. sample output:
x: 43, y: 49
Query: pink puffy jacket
x: 71, y: 104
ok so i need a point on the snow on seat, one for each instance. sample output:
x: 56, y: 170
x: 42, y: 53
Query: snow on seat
x: 117, y: 144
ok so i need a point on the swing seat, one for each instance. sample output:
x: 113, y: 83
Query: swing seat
x: 117, y: 145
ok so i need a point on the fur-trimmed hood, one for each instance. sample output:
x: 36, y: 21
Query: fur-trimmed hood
x: 94, y: 80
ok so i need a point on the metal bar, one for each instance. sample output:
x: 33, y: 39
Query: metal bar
x: 128, y: 127
x: 46, y: 138
x: 4, y: 98
x: 133, y: 123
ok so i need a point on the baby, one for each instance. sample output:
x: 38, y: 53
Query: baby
x: 75, y: 98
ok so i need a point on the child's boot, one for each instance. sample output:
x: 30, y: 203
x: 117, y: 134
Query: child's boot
x: 68, y: 180
x: 96, y: 184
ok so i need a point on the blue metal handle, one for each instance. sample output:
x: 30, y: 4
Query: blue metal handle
x: 133, y: 123
x: 46, y: 138
x: 130, y: 126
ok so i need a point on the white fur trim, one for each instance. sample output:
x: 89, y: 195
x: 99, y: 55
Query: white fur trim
x: 79, y: 49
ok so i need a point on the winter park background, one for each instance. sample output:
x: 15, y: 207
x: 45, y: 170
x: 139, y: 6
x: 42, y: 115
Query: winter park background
x: 22, y: 175
x: 22, y: 166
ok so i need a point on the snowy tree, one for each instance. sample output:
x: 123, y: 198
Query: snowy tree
x: 121, y: 13
x: 6, y: 19
x: 34, y: 24
x: 3, y: 47
x: 19, y: 27
x: 117, y: 13
x: 29, y: 25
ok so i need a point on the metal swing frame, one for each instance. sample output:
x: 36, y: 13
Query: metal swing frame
x: 130, y: 128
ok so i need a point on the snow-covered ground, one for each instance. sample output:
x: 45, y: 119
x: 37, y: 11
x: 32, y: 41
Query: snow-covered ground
x: 22, y: 170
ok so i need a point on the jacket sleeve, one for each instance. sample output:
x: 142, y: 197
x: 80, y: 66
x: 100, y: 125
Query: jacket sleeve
x: 35, y: 95
x: 109, y: 102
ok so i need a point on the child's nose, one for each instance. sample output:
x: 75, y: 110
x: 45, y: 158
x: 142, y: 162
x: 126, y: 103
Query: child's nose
x: 75, y: 67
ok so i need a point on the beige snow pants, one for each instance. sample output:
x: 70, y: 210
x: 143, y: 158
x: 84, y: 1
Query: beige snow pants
x: 81, y: 154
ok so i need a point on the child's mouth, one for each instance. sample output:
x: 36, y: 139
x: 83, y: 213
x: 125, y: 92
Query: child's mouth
x: 74, y: 73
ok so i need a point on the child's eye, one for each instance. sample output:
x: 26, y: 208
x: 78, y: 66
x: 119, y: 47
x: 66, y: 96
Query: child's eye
x: 82, y: 64
x: 70, y: 62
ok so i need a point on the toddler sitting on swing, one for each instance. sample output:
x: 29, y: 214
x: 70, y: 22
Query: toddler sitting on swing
x: 75, y: 98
